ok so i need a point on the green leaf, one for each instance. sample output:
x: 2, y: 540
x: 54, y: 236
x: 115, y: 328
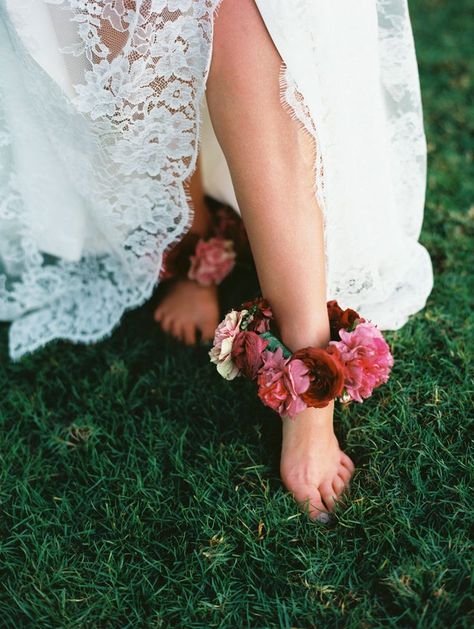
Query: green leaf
x: 274, y: 343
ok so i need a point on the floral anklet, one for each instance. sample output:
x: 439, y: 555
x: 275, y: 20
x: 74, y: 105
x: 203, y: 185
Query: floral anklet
x: 210, y: 260
x: 356, y: 361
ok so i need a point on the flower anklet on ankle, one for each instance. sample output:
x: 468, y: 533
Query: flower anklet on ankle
x: 356, y: 361
x: 210, y: 260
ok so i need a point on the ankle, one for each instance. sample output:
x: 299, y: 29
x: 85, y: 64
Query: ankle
x: 311, y: 419
x: 202, y: 221
x: 296, y: 334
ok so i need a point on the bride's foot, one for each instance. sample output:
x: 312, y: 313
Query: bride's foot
x: 313, y: 467
x: 188, y: 308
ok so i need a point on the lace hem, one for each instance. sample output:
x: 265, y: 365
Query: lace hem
x: 144, y: 73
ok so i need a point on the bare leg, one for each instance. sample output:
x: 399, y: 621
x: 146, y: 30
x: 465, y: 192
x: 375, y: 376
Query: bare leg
x: 174, y: 312
x: 271, y: 162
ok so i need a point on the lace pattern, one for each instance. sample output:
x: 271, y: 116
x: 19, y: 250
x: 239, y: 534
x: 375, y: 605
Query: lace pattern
x: 144, y: 67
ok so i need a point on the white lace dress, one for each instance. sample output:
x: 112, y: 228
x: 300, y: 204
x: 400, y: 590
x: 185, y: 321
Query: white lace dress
x: 100, y: 122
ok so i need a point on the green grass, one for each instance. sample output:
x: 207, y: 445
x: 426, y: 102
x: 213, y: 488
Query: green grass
x: 138, y: 489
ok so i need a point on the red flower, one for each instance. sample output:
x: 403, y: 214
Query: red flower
x: 228, y: 225
x: 262, y: 316
x: 247, y: 351
x: 339, y: 318
x: 326, y: 374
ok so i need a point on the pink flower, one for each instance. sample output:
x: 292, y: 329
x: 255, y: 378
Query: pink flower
x: 366, y: 357
x: 280, y: 383
x: 247, y: 350
x: 221, y: 352
x: 213, y: 260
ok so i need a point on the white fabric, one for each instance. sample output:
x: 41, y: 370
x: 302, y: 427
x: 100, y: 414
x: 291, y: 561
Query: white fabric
x: 100, y: 123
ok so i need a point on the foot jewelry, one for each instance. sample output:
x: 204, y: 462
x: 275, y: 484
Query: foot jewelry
x: 355, y: 362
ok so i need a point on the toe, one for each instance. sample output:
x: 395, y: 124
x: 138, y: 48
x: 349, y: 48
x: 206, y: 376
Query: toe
x: 159, y: 312
x: 317, y: 510
x: 189, y: 334
x: 347, y: 462
x: 177, y: 329
x: 165, y: 322
x: 338, y: 485
x: 328, y: 495
x: 344, y: 473
x: 207, y: 332
x: 311, y: 503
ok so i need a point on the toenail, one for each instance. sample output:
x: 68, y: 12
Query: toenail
x: 324, y: 518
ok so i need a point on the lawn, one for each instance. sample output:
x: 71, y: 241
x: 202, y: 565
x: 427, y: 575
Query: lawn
x: 138, y: 489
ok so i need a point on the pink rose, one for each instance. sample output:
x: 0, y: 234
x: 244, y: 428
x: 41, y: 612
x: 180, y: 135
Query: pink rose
x: 247, y: 350
x: 213, y: 260
x: 280, y: 383
x: 221, y: 352
x: 366, y: 357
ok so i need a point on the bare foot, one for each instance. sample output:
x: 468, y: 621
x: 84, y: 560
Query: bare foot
x: 312, y: 466
x: 187, y: 308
